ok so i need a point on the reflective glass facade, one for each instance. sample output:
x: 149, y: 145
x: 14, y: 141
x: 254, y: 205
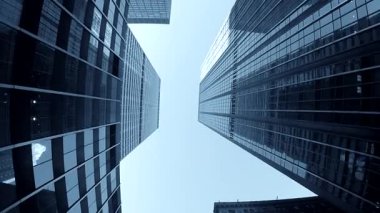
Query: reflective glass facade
x: 141, y: 97
x: 149, y: 11
x: 62, y: 72
x: 309, y: 205
x: 296, y: 83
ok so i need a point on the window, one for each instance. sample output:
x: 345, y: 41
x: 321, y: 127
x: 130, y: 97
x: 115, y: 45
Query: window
x: 96, y: 21
x: 70, y: 160
x: 43, y: 173
x: 107, y: 36
x: 349, y: 18
x: 71, y: 180
x: 41, y: 152
x: 72, y: 196
x: 373, y: 6
x: 42, y: 164
x: 69, y: 143
x: 88, y: 137
x: 88, y: 151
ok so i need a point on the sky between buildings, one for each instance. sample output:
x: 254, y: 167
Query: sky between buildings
x: 184, y: 166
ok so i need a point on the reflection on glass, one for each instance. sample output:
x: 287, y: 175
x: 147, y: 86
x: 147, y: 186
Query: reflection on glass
x: 6, y: 168
x: 37, y: 151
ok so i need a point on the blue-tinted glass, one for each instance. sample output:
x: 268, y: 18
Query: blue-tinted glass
x: 89, y: 167
x: 41, y: 152
x: 347, y: 7
x: 103, y: 170
x: 102, y: 159
x: 90, y: 181
x: 91, y: 197
x: 7, y: 178
x: 72, y: 196
x: 102, y: 145
x: 105, y: 208
x: 70, y: 160
x: 88, y: 136
x: 111, y: 12
x: 10, y: 10
x: 75, y: 209
x: 43, y: 173
x: 69, y: 143
x: 373, y: 6
x: 88, y: 151
x: 96, y: 22
x: 104, y: 196
x: 102, y: 132
x: 362, y: 11
x: 99, y: 4
x: 113, y: 179
x: 71, y: 180
x: 92, y: 208
x: 349, y: 18
x: 49, y: 21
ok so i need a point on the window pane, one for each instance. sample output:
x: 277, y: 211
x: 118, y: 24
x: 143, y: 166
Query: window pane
x: 90, y: 181
x: 70, y: 160
x: 89, y: 167
x: 88, y: 137
x: 41, y: 152
x: 72, y: 196
x: 69, y: 143
x: 88, y: 151
x: 71, y: 180
x: 43, y: 173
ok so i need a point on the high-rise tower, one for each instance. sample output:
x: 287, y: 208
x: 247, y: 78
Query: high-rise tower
x: 296, y: 83
x: 63, y: 72
x: 294, y: 205
x: 149, y: 11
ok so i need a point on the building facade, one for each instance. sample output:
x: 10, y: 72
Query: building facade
x: 141, y: 97
x: 63, y: 66
x: 296, y: 83
x: 295, y: 205
x: 149, y: 11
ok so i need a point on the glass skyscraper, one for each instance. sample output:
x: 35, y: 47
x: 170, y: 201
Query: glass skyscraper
x: 64, y: 77
x: 297, y: 84
x: 306, y: 205
x: 141, y: 96
x: 149, y: 11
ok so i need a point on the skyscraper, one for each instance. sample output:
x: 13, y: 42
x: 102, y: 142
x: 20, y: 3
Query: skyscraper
x: 141, y: 93
x: 296, y: 83
x: 149, y: 11
x: 306, y: 205
x: 63, y: 66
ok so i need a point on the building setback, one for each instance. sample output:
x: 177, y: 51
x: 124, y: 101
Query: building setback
x: 296, y: 83
x: 64, y: 66
x: 306, y: 205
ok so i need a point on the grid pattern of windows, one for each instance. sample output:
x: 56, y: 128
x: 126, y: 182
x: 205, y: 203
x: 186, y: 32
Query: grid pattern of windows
x: 76, y: 93
x: 62, y: 64
x: 140, y: 97
x: 149, y: 11
x: 297, y: 85
x: 310, y: 204
x: 59, y: 164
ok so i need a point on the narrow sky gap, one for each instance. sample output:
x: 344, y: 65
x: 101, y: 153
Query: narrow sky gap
x: 184, y: 165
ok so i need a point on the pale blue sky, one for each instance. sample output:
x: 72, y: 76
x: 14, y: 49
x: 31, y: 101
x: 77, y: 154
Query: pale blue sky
x: 184, y: 166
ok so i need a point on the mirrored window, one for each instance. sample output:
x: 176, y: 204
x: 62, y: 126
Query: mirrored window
x: 71, y: 180
x: 70, y: 160
x: 69, y: 143
x: 43, y: 173
x: 41, y: 152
